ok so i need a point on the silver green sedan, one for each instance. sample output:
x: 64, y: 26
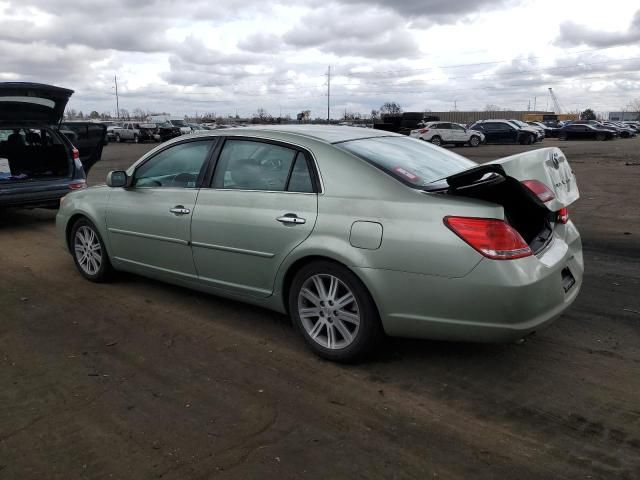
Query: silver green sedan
x: 354, y: 233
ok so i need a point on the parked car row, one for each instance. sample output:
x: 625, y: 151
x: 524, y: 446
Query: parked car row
x: 158, y: 131
x: 447, y: 133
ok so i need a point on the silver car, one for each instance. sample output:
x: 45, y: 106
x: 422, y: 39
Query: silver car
x: 354, y: 233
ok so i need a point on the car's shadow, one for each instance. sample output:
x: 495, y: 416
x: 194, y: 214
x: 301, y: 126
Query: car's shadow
x: 11, y: 218
x: 277, y: 327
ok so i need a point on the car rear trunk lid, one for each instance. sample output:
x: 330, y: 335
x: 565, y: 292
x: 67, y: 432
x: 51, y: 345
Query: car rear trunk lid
x: 500, y: 182
x: 32, y: 102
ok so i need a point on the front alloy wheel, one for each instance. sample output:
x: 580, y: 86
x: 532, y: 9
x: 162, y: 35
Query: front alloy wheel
x: 474, y: 141
x: 89, y: 253
x: 334, y: 312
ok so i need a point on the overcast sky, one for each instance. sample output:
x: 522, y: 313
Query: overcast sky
x: 200, y: 56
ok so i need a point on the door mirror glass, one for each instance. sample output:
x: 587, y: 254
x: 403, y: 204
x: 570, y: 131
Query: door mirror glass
x: 117, y: 178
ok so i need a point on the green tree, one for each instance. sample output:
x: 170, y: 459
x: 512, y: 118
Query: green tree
x: 588, y: 114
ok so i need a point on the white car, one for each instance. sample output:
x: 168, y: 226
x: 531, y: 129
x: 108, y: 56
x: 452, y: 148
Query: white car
x: 441, y: 133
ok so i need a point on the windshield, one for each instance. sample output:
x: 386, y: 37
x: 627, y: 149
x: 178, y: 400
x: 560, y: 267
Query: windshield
x: 178, y: 123
x: 414, y: 162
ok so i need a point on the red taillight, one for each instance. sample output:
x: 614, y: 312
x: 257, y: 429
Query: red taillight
x: 75, y: 153
x: 491, y: 237
x: 543, y: 192
x: 424, y: 130
x: 563, y: 215
x: 78, y: 185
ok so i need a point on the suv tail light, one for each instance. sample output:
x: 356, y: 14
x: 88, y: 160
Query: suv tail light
x: 424, y: 130
x: 78, y: 185
x: 543, y: 192
x: 491, y: 237
x: 563, y: 215
x: 75, y: 153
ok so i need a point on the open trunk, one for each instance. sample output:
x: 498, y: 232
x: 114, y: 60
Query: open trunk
x: 32, y: 155
x: 531, y: 210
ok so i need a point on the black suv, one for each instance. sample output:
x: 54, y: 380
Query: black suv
x: 39, y: 164
x: 503, y: 131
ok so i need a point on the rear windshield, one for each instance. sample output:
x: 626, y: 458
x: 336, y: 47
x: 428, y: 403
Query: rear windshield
x: 414, y: 162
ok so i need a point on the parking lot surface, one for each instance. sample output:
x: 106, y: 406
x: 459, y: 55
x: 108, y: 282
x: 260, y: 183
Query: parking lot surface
x: 138, y: 379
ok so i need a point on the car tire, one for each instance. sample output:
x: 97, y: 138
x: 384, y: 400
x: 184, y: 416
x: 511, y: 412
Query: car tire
x: 341, y: 334
x: 562, y: 136
x: 474, y: 141
x: 89, y: 252
x: 436, y: 140
x: 601, y: 137
x: 118, y: 139
x: 135, y: 138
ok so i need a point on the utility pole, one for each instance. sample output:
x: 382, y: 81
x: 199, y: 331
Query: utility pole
x: 115, y: 79
x: 535, y: 101
x: 329, y: 95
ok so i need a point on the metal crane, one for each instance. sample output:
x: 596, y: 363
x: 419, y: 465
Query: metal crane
x: 556, y: 105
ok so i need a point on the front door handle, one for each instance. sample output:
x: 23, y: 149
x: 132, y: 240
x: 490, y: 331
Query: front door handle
x: 291, y: 219
x: 180, y: 210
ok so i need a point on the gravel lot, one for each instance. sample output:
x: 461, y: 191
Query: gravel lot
x: 138, y: 379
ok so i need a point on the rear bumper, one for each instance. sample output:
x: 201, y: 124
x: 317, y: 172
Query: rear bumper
x: 33, y: 195
x: 499, y: 301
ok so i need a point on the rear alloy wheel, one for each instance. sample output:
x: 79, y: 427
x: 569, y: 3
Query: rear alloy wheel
x: 334, y: 312
x: 436, y: 140
x: 118, y: 138
x: 562, y: 136
x: 89, y: 253
x: 135, y: 139
x: 601, y: 137
x: 474, y: 141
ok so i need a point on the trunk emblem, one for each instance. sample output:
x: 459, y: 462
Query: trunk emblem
x: 555, y: 159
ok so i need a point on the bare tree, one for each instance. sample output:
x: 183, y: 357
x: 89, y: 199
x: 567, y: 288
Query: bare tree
x: 139, y: 114
x: 390, y: 108
x: 262, y: 116
x: 634, y: 106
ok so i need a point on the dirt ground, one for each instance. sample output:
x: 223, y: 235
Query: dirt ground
x: 140, y: 380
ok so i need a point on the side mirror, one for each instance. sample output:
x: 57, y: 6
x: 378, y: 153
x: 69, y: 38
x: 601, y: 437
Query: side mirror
x: 117, y: 178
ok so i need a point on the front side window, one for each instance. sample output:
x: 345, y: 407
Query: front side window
x: 412, y: 161
x: 252, y: 165
x: 176, y: 167
x: 456, y: 127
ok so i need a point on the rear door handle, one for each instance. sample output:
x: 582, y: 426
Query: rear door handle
x: 180, y: 210
x: 291, y: 219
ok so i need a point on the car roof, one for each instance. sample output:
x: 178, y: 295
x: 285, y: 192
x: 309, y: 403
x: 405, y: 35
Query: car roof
x: 325, y: 133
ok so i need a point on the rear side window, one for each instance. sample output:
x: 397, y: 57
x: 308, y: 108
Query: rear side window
x: 254, y: 165
x: 411, y: 161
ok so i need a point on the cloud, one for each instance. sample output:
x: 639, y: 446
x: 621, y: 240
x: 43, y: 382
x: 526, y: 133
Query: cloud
x: 375, y: 34
x: 573, y: 34
x: 434, y: 11
x: 261, y: 43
